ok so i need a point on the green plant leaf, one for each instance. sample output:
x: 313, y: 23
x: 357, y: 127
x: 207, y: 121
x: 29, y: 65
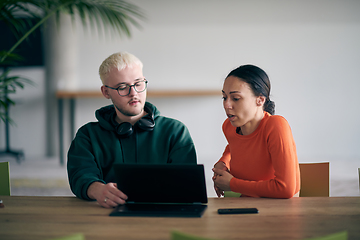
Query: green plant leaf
x: 116, y: 14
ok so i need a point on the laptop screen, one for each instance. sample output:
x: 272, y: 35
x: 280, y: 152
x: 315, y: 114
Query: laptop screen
x: 165, y: 183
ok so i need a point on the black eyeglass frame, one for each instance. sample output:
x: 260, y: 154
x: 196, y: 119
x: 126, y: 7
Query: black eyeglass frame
x: 127, y: 85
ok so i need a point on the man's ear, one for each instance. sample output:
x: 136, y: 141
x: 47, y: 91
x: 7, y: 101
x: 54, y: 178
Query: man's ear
x: 260, y: 101
x: 105, y: 92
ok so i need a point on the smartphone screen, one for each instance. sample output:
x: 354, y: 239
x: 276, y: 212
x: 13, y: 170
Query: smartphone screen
x: 237, y: 210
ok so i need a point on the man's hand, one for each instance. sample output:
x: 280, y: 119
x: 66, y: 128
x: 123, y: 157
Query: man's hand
x: 221, y: 180
x: 107, y: 195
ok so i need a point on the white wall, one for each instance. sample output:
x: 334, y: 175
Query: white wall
x: 310, y: 50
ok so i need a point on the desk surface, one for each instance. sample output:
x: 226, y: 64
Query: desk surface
x: 296, y: 218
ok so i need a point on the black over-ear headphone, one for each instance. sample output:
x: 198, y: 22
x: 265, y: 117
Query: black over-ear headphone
x: 146, y: 123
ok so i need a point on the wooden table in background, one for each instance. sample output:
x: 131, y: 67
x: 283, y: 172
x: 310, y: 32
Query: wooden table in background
x: 43, y: 218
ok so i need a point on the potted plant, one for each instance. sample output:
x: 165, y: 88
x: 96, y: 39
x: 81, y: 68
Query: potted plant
x: 119, y: 15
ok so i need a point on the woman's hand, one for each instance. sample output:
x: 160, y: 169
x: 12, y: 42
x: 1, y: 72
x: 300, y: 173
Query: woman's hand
x: 221, y: 166
x: 107, y: 195
x: 221, y: 181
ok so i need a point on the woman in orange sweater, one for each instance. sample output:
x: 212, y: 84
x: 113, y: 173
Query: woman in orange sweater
x: 260, y: 159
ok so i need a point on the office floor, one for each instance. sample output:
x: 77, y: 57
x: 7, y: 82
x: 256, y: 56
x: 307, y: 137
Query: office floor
x: 46, y: 177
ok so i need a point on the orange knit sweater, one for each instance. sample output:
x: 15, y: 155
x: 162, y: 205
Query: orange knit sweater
x: 264, y: 163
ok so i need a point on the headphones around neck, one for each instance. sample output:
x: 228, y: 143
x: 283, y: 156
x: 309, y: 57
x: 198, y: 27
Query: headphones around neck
x: 146, y: 123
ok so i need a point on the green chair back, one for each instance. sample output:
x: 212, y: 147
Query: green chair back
x: 176, y: 235
x: 77, y: 236
x: 4, y: 179
x: 231, y: 194
x: 335, y: 236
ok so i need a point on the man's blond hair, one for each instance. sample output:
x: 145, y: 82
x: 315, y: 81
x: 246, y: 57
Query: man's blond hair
x: 120, y: 61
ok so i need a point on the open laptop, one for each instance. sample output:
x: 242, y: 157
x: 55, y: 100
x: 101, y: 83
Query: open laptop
x: 166, y: 190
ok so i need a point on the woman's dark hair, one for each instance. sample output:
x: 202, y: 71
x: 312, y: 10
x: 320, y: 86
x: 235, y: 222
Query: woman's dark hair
x: 258, y: 81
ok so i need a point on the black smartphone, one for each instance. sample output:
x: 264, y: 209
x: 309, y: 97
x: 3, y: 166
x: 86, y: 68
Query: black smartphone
x: 237, y: 210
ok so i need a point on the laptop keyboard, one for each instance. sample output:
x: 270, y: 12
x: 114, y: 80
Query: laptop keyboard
x: 165, y: 210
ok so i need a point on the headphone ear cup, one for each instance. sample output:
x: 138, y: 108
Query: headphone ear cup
x: 124, y: 129
x: 146, y: 123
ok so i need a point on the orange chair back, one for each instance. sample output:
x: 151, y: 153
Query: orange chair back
x: 314, y: 179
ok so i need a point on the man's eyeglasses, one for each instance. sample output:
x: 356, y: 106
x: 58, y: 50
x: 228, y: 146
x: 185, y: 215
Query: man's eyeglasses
x: 124, y: 89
